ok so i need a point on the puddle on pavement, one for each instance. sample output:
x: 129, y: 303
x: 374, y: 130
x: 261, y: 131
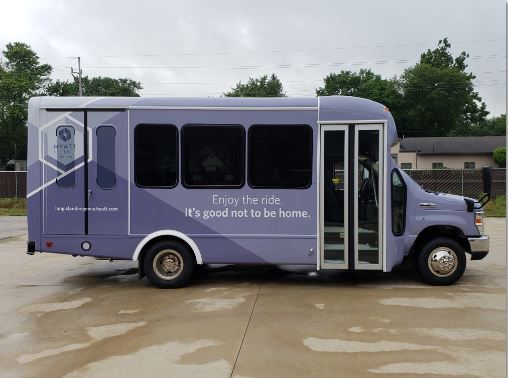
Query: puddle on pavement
x: 95, y: 333
x: 49, y: 307
x: 111, y: 330
x: 452, y: 334
x: 212, y: 289
x: 454, y: 300
x: 176, y: 350
x: 380, y: 319
x: 224, y: 299
x: 15, y: 337
x: 215, y: 304
x: 78, y: 330
x: 347, y: 346
x: 458, y: 360
x: 129, y: 311
x: 168, y: 358
x: 424, y: 286
x: 483, y: 364
x: 460, y: 334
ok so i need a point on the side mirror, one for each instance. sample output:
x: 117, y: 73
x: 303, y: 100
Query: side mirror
x: 487, y: 180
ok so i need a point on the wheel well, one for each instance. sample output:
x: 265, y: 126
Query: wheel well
x: 432, y: 232
x: 157, y: 239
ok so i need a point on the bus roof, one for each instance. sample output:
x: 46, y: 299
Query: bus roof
x: 329, y: 108
x: 186, y: 102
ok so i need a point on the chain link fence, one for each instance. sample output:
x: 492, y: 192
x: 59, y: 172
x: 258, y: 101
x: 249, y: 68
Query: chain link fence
x: 12, y: 184
x: 464, y: 182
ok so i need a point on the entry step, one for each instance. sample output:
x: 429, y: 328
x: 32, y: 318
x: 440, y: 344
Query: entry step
x: 338, y: 229
x: 328, y: 261
x: 340, y: 247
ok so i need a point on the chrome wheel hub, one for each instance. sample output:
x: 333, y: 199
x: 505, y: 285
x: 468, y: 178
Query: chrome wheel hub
x: 442, y: 261
x: 168, y: 264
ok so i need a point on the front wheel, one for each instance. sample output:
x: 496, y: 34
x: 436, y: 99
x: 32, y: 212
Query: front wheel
x: 442, y: 261
x: 168, y: 264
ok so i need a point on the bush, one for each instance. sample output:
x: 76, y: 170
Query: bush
x: 496, y: 207
x: 12, y: 206
x: 500, y: 156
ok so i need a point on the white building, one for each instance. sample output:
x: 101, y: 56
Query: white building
x: 447, y: 152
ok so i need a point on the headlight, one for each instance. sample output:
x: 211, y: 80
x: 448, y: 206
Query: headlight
x: 478, y: 221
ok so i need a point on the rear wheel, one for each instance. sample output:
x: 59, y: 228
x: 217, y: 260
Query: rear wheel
x: 168, y: 264
x: 442, y: 261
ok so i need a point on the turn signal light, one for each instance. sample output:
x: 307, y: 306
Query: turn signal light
x: 478, y: 218
x: 478, y: 221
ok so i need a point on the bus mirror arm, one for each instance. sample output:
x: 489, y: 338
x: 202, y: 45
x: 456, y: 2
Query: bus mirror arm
x: 487, y: 180
x: 483, y: 201
x: 487, y: 186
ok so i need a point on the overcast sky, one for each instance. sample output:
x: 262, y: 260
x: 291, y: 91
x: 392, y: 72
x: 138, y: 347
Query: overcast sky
x: 202, y: 48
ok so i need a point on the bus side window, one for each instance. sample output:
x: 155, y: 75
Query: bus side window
x: 213, y: 156
x: 280, y: 156
x: 156, y: 156
x: 106, y: 176
x: 399, y: 196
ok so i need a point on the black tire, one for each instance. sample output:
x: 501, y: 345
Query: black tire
x: 437, y: 273
x: 168, y: 264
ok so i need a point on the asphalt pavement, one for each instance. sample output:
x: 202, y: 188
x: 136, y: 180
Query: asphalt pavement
x: 79, y: 317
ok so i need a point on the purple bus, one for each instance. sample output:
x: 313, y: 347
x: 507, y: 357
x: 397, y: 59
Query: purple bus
x: 178, y: 182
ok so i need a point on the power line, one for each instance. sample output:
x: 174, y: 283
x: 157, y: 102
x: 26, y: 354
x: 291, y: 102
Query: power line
x: 297, y: 92
x: 273, y: 66
x: 282, y: 50
x: 421, y: 88
x: 286, y: 81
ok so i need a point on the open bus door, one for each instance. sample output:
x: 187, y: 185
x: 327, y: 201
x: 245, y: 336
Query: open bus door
x: 351, y: 196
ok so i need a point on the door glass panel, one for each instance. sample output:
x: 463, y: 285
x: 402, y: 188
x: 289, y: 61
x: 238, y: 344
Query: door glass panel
x: 368, y: 197
x: 334, y: 191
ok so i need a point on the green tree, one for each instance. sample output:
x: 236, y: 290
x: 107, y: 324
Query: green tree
x: 438, y: 95
x: 21, y: 76
x: 261, y: 87
x: 495, y: 125
x: 364, y: 83
x: 499, y: 156
x: 96, y: 86
x: 491, y: 126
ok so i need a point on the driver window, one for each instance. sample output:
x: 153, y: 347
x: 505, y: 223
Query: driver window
x: 398, y: 203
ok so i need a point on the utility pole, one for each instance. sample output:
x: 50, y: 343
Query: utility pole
x: 78, y: 72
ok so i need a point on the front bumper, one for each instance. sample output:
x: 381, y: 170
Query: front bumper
x: 479, y: 246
